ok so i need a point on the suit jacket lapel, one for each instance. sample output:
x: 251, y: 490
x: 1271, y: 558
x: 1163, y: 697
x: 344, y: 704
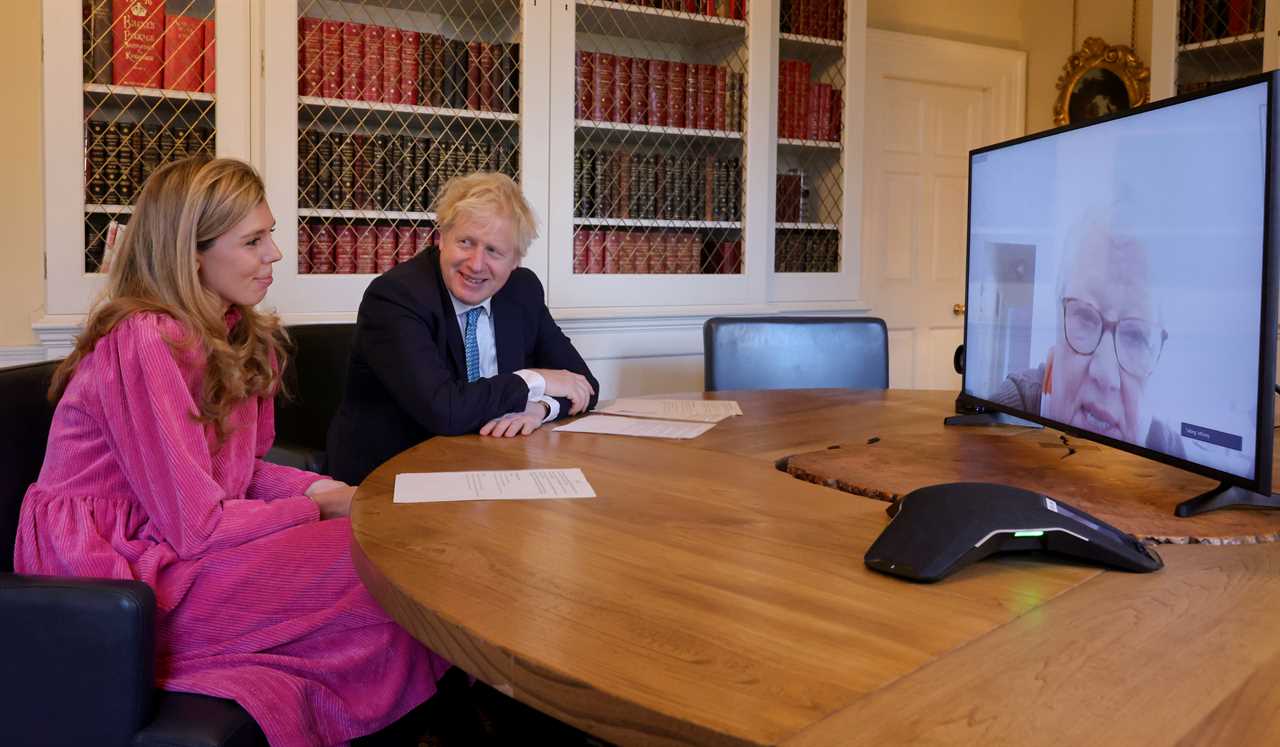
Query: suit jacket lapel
x: 448, y: 319
x: 506, y: 333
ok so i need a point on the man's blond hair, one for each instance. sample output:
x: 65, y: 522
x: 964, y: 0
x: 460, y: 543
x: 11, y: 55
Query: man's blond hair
x: 483, y: 196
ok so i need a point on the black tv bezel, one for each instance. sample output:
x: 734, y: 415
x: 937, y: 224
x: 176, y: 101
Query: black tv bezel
x: 1261, y: 482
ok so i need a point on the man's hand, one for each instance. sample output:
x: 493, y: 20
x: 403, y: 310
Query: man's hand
x: 561, y: 383
x: 516, y: 423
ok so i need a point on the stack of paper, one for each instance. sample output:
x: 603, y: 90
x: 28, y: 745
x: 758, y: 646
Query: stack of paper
x: 494, y: 485
x: 655, y: 418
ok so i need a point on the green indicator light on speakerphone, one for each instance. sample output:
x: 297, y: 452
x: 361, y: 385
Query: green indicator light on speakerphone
x: 1036, y: 533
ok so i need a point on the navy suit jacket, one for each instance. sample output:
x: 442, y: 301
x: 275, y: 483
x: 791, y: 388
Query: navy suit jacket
x: 407, y: 378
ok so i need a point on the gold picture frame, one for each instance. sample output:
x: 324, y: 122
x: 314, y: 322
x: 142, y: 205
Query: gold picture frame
x: 1098, y: 80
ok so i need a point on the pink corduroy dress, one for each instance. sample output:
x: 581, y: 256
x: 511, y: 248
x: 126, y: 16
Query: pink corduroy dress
x: 257, y: 599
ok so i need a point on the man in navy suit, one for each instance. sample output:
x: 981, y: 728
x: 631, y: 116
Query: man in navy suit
x: 458, y: 339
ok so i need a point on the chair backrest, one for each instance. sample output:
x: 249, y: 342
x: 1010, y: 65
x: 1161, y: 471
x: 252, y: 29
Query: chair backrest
x: 25, y: 415
x: 315, y: 378
x: 779, y: 352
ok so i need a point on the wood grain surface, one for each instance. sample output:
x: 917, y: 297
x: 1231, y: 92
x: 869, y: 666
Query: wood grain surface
x: 907, y: 447
x: 705, y: 597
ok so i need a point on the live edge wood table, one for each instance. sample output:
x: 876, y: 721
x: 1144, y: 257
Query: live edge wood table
x: 706, y: 597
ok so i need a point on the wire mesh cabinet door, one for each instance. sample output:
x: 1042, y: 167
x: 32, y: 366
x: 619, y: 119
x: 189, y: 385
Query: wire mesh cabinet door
x: 128, y: 87
x: 649, y: 142
x: 371, y: 106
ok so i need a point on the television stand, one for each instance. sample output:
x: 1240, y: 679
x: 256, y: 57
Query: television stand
x: 1225, y: 496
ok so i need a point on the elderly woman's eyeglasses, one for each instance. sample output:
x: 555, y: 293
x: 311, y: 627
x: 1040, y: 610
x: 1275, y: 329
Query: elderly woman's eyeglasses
x: 1138, y: 342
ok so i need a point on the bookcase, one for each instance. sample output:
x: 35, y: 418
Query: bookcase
x: 1198, y: 43
x: 646, y: 136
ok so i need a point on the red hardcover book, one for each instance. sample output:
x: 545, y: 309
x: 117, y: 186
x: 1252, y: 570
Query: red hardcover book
x: 691, y: 95
x: 603, y: 108
x: 1239, y: 16
x: 384, y: 255
x: 677, y: 73
x: 639, y: 91
x: 627, y: 253
x: 581, y: 239
x: 344, y: 251
x: 738, y: 9
x: 331, y: 59
x: 208, y: 61
x: 423, y: 238
x: 730, y: 259
x: 707, y: 96
x: 372, y: 63
x: 612, y: 251
x: 719, y: 112
x: 310, y: 50
x: 137, y: 43
x: 595, y: 252
x: 473, y: 76
x: 837, y: 114
x: 586, y: 85
x: 304, y: 248
x: 784, y: 99
x: 824, y: 111
x: 622, y: 89
x: 352, y: 60
x: 409, y: 74
x: 486, y: 77
x: 366, y: 246
x: 658, y: 75
x: 404, y: 244
x: 434, y: 76
x: 183, y: 43
x: 644, y: 253
x: 801, y: 74
x: 811, y: 111
x: 391, y: 65
x: 322, y: 250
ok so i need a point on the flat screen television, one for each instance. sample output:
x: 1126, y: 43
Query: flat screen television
x: 1121, y: 284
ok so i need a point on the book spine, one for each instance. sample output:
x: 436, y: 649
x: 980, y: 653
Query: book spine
x: 391, y: 65
x: 486, y: 77
x: 584, y: 105
x: 677, y: 73
x: 622, y: 89
x: 310, y: 51
x: 98, y: 43
x: 639, y: 91
x: 837, y: 115
x: 429, y: 82
x: 409, y: 73
x: 510, y: 72
x: 691, y: 95
x: 361, y: 198
x: 612, y: 250
x: 344, y: 250
x: 627, y: 253
x: 183, y: 44
x: 581, y: 239
x: 208, y: 60
x: 707, y: 96
x: 352, y: 60
x: 644, y: 253
x: 385, y: 251
x: 473, y: 76
x: 405, y: 244
x: 720, y: 112
x: 423, y: 238
x: 322, y: 249
x: 372, y: 67
x: 603, y: 108
x: 137, y: 43
x: 304, y: 248
x: 331, y: 59
x: 812, y: 107
x: 595, y: 251
x: 658, y: 75
x: 366, y: 249
x: 324, y: 157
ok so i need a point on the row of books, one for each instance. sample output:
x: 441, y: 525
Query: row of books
x: 363, y: 249
x: 806, y: 110
x: 821, y: 18
x: 354, y: 171
x: 735, y: 9
x: 653, y: 252
x: 367, y: 62
x: 806, y: 251
x: 663, y: 93
x: 136, y: 43
x: 120, y: 156
x: 623, y: 184
x: 792, y: 198
x: 1206, y: 20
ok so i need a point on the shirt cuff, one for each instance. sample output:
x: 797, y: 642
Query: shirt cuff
x: 553, y: 408
x: 537, y: 384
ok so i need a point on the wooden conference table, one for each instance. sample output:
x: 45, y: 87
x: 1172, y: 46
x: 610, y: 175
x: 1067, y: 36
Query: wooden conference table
x: 705, y: 597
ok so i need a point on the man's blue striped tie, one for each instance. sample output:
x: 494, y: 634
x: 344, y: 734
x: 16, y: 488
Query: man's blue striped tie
x: 473, y: 349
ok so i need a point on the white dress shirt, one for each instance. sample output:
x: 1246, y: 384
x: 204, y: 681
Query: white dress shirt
x: 488, y: 347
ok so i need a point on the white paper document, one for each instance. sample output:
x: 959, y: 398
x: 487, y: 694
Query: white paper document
x: 699, y: 410
x: 496, y: 485
x: 615, y: 426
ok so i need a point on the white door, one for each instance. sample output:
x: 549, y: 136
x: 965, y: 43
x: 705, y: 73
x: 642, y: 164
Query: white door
x: 929, y: 101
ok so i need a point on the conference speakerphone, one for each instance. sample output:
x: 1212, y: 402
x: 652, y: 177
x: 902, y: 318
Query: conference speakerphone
x: 939, y: 529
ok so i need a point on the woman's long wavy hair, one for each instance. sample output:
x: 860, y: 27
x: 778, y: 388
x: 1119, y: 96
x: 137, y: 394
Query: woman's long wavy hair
x: 183, y: 207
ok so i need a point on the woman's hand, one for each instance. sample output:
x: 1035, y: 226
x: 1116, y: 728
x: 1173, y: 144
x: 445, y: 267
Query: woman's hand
x: 333, y: 498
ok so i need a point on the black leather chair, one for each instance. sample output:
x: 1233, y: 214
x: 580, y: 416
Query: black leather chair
x: 78, y: 654
x: 314, y: 380
x: 780, y: 352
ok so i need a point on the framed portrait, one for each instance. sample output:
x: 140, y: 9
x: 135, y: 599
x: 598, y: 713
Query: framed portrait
x: 1098, y: 80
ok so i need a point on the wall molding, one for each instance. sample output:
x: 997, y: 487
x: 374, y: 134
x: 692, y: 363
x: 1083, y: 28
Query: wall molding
x: 18, y: 355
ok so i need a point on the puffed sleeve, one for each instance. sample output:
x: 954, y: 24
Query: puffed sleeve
x: 163, y: 451
x: 270, y: 481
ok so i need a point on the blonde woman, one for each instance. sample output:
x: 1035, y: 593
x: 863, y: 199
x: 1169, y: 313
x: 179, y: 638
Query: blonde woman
x: 154, y: 472
x: 458, y: 339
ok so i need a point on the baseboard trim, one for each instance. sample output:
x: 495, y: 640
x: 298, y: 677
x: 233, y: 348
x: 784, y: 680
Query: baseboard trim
x: 18, y: 355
